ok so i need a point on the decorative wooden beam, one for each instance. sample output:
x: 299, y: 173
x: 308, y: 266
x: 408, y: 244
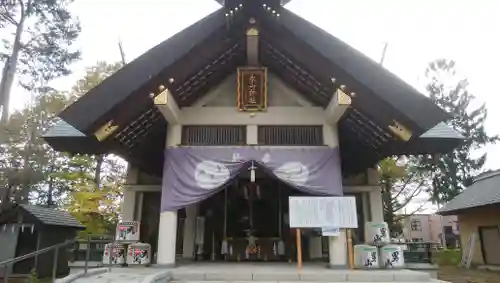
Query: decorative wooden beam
x: 105, y: 131
x: 400, y: 131
x: 337, y: 106
x: 167, y: 105
x: 252, y: 46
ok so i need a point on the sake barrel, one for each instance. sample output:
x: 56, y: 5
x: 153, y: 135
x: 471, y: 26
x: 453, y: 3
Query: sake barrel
x: 127, y: 231
x: 113, y: 254
x: 365, y: 256
x: 391, y: 256
x: 377, y: 233
x: 139, y: 254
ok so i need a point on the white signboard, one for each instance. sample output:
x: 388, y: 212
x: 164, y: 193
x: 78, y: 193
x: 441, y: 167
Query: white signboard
x: 330, y: 232
x: 319, y: 212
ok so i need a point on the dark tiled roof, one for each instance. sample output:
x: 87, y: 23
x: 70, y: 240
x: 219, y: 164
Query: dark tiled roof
x: 140, y: 71
x: 283, y: 2
x: 51, y: 216
x: 367, y: 72
x: 484, y: 191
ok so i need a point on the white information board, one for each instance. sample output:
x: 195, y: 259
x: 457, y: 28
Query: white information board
x: 330, y: 232
x: 320, y: 212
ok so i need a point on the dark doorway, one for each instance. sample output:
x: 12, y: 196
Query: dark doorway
x: 250, y: 210
x: 150, y: 219
x: 26, y: 243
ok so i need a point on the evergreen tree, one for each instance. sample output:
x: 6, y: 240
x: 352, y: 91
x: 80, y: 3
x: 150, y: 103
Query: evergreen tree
x: 37, y: 36
x: 27, y: 160
x: 453, y: 172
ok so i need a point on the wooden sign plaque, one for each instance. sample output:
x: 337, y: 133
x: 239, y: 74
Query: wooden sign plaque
x: 252, y: 89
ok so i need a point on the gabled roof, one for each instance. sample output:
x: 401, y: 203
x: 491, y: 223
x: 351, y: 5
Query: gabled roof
x: 304, y: 56
x: 366, y: 74
x: 139, y: 74
x: 222, y: 2
x: 484, y: 191
x: 51, y: 216
x: 44, y: 215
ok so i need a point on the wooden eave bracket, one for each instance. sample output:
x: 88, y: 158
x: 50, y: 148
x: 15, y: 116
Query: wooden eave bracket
x: 165, y: 102
x: 400, y: 131
x: 337, y: 106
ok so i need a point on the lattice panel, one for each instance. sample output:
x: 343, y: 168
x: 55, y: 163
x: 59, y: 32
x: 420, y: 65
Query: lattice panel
x: 213, y: 135
x: 291, y: 135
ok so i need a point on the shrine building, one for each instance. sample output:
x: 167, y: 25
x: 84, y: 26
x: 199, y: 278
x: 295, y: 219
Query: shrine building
x: 225, y: 120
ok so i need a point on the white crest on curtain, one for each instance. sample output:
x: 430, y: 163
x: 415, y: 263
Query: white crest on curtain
x: 293, y: 172
x: 211, y: 175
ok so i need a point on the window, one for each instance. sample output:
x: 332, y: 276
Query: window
x: 417, y: 240
x: 416, y: 225
x: 448, y: 230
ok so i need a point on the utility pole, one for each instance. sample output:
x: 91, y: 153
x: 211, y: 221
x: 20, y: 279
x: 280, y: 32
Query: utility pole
x: 122, y: 53
x: 383, y: 53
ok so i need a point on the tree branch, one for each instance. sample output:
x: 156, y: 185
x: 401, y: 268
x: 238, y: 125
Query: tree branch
x: 404, y: 186
x: 9, y: 18
x: 418, y: 209
x: 416, y: 192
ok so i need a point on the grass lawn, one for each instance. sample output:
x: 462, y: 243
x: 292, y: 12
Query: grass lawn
x: 459, y: 275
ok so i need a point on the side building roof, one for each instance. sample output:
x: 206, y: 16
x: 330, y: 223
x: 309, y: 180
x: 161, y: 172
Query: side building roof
x: 484, y: 191
x: 41, y: 215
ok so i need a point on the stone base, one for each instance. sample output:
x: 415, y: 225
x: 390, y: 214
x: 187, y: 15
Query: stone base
x: 289, y: 272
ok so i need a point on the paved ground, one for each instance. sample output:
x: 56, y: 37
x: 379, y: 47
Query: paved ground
x: 118, y: 274
x: 460, y: 275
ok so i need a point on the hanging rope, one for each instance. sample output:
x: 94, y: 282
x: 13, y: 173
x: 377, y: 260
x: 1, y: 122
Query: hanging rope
x: 279, y: 211
x: 224, y: 245
x: 281, y: 243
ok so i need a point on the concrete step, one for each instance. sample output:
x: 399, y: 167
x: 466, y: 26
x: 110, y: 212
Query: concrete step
x: 120, y: 275
x: 432, y: 281
x: 324, y: 275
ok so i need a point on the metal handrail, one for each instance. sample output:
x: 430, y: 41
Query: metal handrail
x: 56, y: 247
x: 35, y: 253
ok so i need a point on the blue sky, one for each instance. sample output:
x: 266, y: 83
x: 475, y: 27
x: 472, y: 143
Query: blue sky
x: 418, y: 31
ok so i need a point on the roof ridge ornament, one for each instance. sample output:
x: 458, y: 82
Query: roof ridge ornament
x: 226, y: 2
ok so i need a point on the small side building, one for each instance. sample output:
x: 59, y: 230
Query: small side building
x: 478, y: 211
x: 27, y: 228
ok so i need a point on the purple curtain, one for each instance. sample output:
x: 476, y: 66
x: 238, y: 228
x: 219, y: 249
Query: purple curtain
x: 192, y: 174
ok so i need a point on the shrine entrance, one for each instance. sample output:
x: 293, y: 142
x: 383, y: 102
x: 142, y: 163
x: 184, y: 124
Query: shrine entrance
x: 248, y: 221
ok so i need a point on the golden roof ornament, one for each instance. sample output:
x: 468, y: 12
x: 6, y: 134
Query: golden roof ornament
x: 105, y: 131
x: 162, y: 98
x: 400, y: 131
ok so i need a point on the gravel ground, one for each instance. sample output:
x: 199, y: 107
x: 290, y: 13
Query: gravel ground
x: 457, y: 275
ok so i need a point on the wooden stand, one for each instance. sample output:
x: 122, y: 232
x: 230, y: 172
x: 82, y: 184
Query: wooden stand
x: 350, y: 250
x: 299, y: 250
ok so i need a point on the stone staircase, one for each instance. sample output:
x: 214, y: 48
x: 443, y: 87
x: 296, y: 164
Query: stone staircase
x: 246, y: 273
x: 289, y: 273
